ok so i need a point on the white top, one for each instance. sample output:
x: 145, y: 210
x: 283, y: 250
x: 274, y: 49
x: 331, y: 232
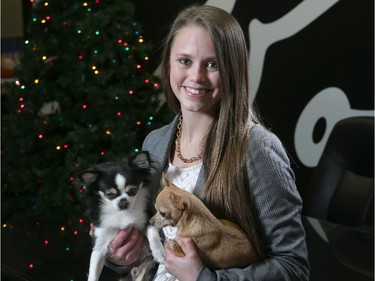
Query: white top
x: 186, y: 179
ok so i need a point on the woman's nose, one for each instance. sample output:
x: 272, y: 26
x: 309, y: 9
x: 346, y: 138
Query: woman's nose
x: 197, y: 73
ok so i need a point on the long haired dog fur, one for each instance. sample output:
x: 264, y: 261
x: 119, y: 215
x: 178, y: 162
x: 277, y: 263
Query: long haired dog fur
x: 119, y: 196
x: 219, y: 243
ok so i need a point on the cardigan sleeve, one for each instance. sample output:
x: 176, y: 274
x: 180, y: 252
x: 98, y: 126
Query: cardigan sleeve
x: 278, y: 207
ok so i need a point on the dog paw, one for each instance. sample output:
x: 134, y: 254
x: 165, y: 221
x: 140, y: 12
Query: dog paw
x: 175, y: 248
x: 157, y: 248
x: 159, y: 255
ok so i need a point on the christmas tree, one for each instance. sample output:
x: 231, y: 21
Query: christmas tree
x: 84, y: 93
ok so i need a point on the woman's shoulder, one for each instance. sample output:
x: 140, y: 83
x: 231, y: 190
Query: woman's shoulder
x: 264, y: 143
x: 259, y: 135
x: 268, y: 159
x: 160, y: 135
x: 160, y: 131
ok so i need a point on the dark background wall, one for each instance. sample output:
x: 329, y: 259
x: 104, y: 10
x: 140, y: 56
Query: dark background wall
x: 312, y: 64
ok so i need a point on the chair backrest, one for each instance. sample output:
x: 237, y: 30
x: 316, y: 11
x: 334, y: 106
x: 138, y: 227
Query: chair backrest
x: 342, y: 186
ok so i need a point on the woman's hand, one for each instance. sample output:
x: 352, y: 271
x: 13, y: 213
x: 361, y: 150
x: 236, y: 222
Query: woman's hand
x: 184, y: 268
x: 126, y: 247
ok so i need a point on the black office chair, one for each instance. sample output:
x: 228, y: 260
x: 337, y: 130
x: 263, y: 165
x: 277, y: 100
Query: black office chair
x: 342, y: 186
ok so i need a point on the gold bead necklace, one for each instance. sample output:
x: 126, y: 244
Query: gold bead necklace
x: 178, y: 146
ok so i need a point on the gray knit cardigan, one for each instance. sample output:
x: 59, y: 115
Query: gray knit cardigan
x: 277, y: 205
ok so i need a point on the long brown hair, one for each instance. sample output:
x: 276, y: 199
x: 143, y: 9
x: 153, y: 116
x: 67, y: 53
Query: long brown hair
x: 225, y: 158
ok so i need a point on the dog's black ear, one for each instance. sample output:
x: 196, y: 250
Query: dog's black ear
x: 140, y: 160
x: 88, y: 177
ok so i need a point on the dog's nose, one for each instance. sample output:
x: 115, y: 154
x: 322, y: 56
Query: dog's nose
x: 123, y: 204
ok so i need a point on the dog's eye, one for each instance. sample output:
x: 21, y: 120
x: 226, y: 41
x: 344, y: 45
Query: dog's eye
x: 165, y: 215
x: 132, y: 191
x: 162, y: 214
x: 111, y: 193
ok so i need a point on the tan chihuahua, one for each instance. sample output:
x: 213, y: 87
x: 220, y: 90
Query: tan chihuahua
x: 219, y: 243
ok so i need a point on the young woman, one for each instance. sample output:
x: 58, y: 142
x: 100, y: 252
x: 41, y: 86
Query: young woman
x: 217, y: 149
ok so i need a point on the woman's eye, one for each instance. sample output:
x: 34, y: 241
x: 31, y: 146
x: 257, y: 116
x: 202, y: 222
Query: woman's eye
x: 184, y: 61
x: 212, y: 64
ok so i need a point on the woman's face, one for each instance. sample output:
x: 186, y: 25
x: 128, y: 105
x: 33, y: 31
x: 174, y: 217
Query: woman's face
x: 194, y: 74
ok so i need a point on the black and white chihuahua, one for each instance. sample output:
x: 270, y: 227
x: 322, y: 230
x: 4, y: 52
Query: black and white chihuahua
x: 119, y: 196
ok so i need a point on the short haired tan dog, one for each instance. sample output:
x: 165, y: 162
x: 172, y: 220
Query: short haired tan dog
x: 219, y: 243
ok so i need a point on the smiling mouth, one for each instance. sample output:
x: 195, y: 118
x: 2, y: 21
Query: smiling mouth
x: 195, y: 91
